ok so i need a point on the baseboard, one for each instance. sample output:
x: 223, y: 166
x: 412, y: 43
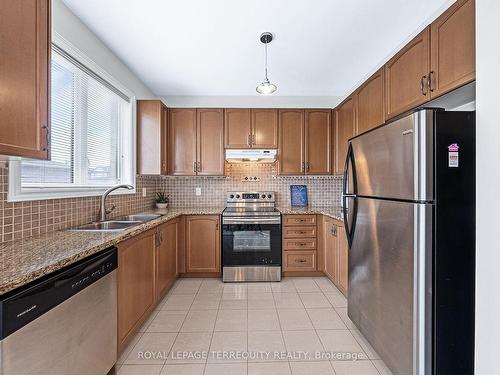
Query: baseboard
x: 200, y: 274
x: 302, y: 273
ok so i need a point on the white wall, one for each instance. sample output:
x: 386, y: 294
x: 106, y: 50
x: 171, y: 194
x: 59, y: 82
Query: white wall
x: 488, y: 187
x: 65, y: 23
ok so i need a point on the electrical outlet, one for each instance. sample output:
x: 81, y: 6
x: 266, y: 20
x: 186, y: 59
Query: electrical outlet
x: 144, y: 192
x: 198, y: 191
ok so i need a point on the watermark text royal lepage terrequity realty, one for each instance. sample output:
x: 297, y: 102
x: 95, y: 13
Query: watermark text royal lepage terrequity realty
x: 252, y: 356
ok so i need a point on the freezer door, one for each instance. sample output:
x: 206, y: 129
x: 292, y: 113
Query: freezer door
x: 389, y: 269
x: 394, y: 161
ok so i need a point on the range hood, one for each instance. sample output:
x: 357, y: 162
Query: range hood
x: 251, y: 156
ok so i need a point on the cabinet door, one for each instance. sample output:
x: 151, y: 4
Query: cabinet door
x: 238, y: 128
x: 202, y: 244
x: 318, y: 141
x: 210, y: 143
x: 370, y: 99
x: 265, y: 128
x: 182, y: 158
x: 406, y: 76
x: 136, y: 293
x: 291, y: 142
x: 152, y: 137
x: 345, y: 126
x: 166, y: 256
x: 24, y: 68
x: 327, y: 247
x: 453, y: 48
x: 342, y: 259
x: 164, y: 140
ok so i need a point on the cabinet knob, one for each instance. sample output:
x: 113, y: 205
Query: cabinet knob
x: 301, y: 261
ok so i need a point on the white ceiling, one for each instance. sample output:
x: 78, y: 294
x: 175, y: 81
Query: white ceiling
x: 322, y: 48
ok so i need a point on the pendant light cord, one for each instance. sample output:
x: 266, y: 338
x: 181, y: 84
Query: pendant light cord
x: 266, y: 62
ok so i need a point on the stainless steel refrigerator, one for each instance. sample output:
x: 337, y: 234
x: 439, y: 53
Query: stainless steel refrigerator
x: 409, y: 214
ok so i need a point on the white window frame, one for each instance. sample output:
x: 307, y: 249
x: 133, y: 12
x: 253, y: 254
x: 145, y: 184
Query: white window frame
x: 127, y: 147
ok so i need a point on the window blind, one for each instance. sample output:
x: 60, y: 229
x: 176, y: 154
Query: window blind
x: 86, y: 116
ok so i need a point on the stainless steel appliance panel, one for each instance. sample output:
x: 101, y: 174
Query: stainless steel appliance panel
x: 77, y: 337
x: 251, y: 273
x: 394, y: 161
x: 388, y: 272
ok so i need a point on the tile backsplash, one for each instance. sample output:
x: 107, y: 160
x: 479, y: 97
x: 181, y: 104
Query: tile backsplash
x: 25, y: 219
x: 322, y: 190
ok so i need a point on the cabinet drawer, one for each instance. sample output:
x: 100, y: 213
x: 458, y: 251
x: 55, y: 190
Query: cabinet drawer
x: 299, y: 232
x: 300, y: 260
x: 299, y: 244
x: 300, y: 220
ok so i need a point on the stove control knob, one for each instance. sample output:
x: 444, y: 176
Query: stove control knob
x: 237, y: 196
x: 263, y: 196
x: 269, y: 196
x: 231, y: 196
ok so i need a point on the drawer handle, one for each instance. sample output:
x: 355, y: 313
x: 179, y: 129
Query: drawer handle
x: 299, y: 220
x: 300, y: 232
x: 300, y: 244
x: 301, y: 261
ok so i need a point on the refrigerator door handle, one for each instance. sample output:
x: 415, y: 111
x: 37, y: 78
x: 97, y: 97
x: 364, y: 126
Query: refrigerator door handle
x: 349, y: 221
x: 349, y: 227
x: 349, y: 161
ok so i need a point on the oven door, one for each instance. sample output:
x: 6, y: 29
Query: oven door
x: 251, y: 241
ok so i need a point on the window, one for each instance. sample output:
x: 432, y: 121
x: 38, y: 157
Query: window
x: 91, y: 138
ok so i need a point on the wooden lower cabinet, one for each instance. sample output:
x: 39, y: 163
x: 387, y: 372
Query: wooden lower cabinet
x: 335, y: 253
x: 300, y: 260
x: 343, y: 250
x: 147, y: 269
x: 330, y: 248
x: 136, y: 284
x: 300, y: 250
x: 203, y: 243
x: 167, y: 241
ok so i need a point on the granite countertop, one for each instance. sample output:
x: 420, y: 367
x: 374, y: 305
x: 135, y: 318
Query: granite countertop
x: 26, y: 260
x: 334, y: 212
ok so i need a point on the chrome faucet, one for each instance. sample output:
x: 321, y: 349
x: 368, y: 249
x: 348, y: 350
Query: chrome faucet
x: 105, y: 211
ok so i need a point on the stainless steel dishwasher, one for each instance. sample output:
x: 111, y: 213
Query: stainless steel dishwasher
x: 66, y: 323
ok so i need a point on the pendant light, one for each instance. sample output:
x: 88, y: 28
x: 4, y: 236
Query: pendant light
x: 266, y: 87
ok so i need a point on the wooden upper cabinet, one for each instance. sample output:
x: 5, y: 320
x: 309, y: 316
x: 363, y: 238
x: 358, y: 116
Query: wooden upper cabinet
x: 210, y: 142
x: 453, y: 48
x: 318, y: 141
x: 25, y: 78
x: 264, y: 128
x: 406, y: 75
x: 202, y: 243
x: 238, y: 128
x: 182, y: 141
x: 345, y: 128
x: 291, y: 142
x: 152, y: 137
x: 370, y: 99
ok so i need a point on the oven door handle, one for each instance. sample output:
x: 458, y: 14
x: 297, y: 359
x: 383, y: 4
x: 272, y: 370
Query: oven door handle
x: 249, y: 220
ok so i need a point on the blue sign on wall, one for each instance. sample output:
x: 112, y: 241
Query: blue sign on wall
x: 298, y: 195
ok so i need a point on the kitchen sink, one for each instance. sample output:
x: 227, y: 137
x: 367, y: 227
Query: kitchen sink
x: 140, y: 217
x: 108, y: 226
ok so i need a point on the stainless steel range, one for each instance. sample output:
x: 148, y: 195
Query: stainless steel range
x: 251, y: 237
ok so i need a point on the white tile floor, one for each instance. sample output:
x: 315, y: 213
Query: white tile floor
x: 288, y: 318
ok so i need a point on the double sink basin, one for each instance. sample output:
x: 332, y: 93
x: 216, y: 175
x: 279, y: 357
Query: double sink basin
x: 118, y: 224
